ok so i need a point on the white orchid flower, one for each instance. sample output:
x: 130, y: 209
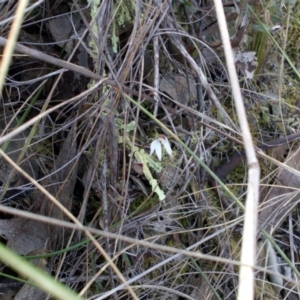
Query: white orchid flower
x: 156, y: 146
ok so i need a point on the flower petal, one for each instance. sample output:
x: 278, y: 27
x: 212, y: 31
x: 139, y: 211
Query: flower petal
x: 156, y: 146
x: 166, y: 144
x: 158, y: 150
x: 153, y: 146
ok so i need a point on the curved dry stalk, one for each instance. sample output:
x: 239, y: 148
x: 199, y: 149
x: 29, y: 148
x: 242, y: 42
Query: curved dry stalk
x: 246, y: 278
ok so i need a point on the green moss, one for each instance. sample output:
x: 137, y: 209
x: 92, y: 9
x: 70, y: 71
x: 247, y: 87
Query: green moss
x: 293, y: 45
x: 125, y: 12
x: 143, y: 204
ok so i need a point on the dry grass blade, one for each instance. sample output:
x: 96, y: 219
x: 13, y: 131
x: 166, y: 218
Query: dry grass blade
x: 246, y: 278
x: 9, y: 47
x: 282, y: 197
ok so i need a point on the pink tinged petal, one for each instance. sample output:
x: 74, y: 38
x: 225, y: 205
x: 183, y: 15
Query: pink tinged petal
x: 138, y: 167
x: 166, y: 144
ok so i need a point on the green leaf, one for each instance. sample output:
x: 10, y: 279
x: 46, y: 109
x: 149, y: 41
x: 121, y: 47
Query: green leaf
x: 259, y: 27
x: 156, y: 166
x: 291, y: 2
x: 143, y: 158
x: 130, y: 126
x: 266, y: 118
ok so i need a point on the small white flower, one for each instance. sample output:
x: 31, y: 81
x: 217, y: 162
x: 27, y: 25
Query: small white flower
x: 156, y: 146
x: 276, y: 28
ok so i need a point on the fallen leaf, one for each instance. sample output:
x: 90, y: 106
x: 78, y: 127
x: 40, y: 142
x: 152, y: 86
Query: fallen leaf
x: 177, y: 87
x: 24, y: 236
